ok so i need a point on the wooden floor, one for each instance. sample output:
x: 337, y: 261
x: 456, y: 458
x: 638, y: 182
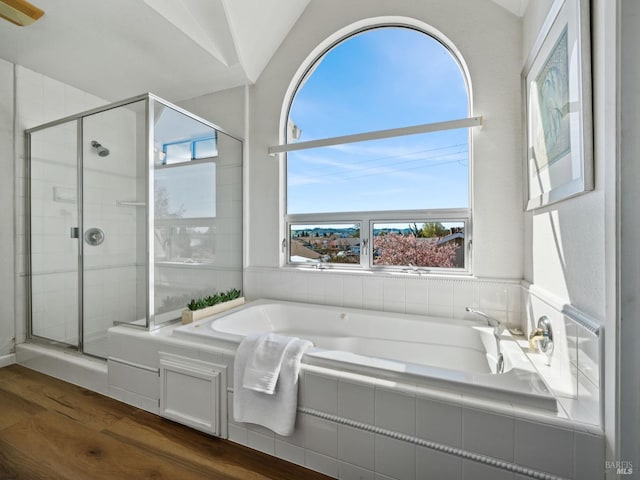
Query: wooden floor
x: 54, y: 430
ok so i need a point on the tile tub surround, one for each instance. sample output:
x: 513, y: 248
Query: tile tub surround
x: 574, y: 370
x: 574, y: 374
x: 405, y: 431
x: 442, y: 296
x: 445, y: 353
x: 359, y: 426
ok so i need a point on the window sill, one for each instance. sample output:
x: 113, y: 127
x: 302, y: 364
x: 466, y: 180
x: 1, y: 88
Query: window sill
x: 378, y: 272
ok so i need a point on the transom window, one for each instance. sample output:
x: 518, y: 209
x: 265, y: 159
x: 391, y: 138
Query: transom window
x: 390, y: 198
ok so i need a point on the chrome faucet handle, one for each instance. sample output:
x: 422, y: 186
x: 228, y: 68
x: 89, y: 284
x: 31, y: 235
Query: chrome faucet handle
x: 542, y: 336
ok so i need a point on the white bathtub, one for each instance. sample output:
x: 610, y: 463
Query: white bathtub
x: 458, y: 355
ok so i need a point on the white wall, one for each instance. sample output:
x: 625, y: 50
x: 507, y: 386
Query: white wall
x: 488, y: 38
x: 570, y: 247
x: 7, y: 328
x: 564, y: 243
x: 225, y: 109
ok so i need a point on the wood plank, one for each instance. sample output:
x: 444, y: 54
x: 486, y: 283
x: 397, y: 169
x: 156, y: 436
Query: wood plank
x: 165, y: 438
x: 68, y: 400
x: 14, y: 408
x: 75, y: 452
x: 16, y: 465
x: 80, y: 434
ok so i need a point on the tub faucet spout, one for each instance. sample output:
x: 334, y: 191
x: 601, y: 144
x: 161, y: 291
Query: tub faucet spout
x: 495, y: 324
x: 492, y: 322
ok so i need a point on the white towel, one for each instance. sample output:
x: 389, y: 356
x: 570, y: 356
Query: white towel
x: 263, y: 367
x: 277, y: 411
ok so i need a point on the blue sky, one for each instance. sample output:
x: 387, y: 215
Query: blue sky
x: 383, y: 78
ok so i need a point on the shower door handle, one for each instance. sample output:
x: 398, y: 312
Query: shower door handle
x: 94, y: 236
x: 75, y: 232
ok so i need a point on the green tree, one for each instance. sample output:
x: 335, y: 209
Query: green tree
x: 432, y: 229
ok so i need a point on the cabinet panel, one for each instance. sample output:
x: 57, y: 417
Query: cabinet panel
x: 193, y: 392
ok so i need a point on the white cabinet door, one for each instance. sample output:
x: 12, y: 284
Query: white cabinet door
x: 193, y: 392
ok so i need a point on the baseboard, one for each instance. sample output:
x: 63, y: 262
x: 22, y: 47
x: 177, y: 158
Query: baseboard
x: 6, y: 360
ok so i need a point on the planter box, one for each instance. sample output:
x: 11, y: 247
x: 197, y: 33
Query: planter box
x: 189, y: 316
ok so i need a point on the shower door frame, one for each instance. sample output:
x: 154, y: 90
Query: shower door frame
x: 78, y: 118
x: 150, y: 318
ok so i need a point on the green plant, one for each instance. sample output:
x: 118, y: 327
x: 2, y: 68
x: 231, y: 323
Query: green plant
x: 211, y: 300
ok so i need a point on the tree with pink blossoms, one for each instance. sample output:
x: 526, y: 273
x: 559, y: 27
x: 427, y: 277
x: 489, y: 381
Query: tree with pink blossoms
x: 397, y: 249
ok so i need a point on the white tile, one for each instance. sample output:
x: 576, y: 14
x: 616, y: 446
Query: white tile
x: 315, y: 287
x: 588, y: 353
x: 379, y: 476
x: 395, y: 411
x: 252, y: 284
x: 493, y: 296
x: 466, y: 294
x: 487, y: 434
x: 439, y: 422
x: 298, y: 287
x: 441, y: 293
x: 588, y: 401
x: 372, y: 293
x: 321, y: 436
x: 356, y: 446
x: 290, y: 453
x: 237, y: 434
x: 356, y: 401
x: 320, y: 393
x: 260, y: 442
x: 352, y: 294
x: 514, y: 298
x: 351, y: 472
x: 395, y: 458
x: 416, y: 291
x: 333, y: 290
x: 588, y: 463
x: 321, y: 463
x: 478, y: 471
x: 264, y: 431
x: 544, y: 447
x: 297, y: 437
x: 393, y: 291
x: 433, y: 465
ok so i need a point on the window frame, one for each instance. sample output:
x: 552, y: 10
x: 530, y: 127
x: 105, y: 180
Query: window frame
x: 367, y: 219
x: 192, y: 144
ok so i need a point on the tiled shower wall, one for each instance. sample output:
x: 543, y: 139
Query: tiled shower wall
x: 40, y: 99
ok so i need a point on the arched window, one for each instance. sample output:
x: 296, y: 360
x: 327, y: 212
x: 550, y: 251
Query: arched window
x: 389, y: 199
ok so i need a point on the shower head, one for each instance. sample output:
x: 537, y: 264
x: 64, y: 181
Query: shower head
x: 102, y: 151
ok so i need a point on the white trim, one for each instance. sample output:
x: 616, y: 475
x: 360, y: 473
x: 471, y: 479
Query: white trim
x: 378, y: 134
x: 6, y: 360
x: 366, y: 221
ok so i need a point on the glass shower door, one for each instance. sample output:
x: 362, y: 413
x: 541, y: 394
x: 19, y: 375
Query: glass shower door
x: 53, y: 243
x: 114, y: 165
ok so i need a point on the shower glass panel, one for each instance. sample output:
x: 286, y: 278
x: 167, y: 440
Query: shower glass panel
x: 134, y: 209
x: 198, y: 211
x: 114, y: 168
x: 54, y: 252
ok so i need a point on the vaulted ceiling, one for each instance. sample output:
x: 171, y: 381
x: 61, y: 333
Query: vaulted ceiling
x: 177, y: 49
